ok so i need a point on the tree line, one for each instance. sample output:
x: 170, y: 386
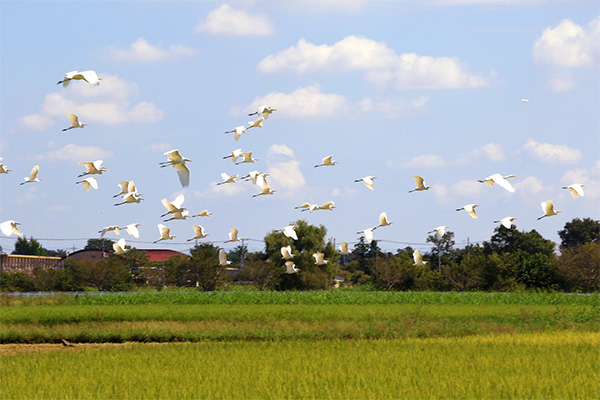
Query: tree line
x: 510, y: 260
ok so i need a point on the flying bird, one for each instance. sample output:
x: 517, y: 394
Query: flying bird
x: 440, y: 231
x: 74, y: 122
x: 344, y: 248
x: 234, y: 155
x: 174, y: 206
x: 470, y: 209
x: 9, y: 227
x: 114, y: 228
x: 182, y: 215
x: 330, y: 205
x: 548, y: 208
x: 289, y: 231
x: 32, y: 175
x: 133, y: 230
x: 506, y: 221
x: 227, y: 179
x: 164, y: 233
x: 3, y: 168
x: 286, y: 252
x: 383, y: 221
x: 126, y: 187
x: 500, y: 180
x: 203, y: 213
x: 223, y: 258
x: 320, y: 258
x: 92, y: 168
x: 247, y: 158
x: 178, y: 162
x: 419, y: 258
x: 327, y: 162
x: 420, y: 184
x: 308, y: 207
x: 367, y: 180
x: 265, y: 111
x: 237, y: 131
x: 253, y: 176
x: 290, y: 267
x: 129, y: 198
x: 119, y: 247
x: 368, y: 234
x: 258, y: 123
x: 89, y: 76
x: 265, y: 188
x: 233, y: 235
x: 575, y: 189
x: 198, y: 233
x: 89, y: 182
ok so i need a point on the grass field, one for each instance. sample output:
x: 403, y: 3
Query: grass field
x: 321, y: 345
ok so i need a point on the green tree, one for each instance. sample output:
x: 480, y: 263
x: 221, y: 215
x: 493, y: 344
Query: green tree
x: 579, y: 267
x: 98, y: 244
x: 203, y: 267
x: 443, y: 252
x: 29, y: 247
x: 579, y: 231
x: 264, y: 274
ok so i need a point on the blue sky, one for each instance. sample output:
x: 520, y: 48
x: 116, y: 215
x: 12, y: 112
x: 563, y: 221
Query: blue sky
x: 390, y: 89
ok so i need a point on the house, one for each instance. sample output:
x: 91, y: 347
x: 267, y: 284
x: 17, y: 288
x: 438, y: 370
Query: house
x: 154, y: 255
x: 28, y: 264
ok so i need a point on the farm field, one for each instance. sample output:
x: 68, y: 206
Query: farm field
x: 301, y: 345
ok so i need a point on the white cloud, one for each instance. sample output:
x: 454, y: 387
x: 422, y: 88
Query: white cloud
x: 281, y: 149
x: 108, y: 103
x: 227, y: 21
x: 391, y: 108
x: 491, y: 152
x: 219, y: 191
x: 441, y: 193
x: 31, y: 195
x: 569, y: 44
x: 562, y: 82
x: 159, y: 148
x: 76, y: 153
x: 553, y: 153
x: 466, y: 188
x: 284, y: 173
x: 36, y: 122
x: 324, y: 6
x: 141, y: 50
x: 425, y: 161
x: 529, y: 186
x: 307, y: 101
x: 381, y: 65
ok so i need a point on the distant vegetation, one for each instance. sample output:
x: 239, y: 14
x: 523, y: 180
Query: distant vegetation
x: 511, y: 260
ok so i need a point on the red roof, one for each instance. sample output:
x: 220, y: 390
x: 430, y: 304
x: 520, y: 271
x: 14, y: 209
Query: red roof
x: 162, y: 255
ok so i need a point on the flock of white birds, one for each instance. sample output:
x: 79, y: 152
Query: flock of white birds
x: 174, y: 210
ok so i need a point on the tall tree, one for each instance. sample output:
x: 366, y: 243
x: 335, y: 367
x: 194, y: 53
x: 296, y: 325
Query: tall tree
x: 203, y: 267
x: 29, y: 247
x: 579, y: 231
x: 98, y: 244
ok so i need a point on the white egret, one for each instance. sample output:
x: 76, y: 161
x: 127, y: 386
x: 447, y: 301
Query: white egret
x: 129, y: 198
x: 368, y: 234
x: 440, y: 231
x: 327, y: 162
x: 119, y: 247
x: 548, y: 208
x: 500, y: 180
x: 420, y: 184
x: 9, y: 227
x: 304, y: 205
x: 330, y: 205
x: 4, y: 169
x: 310, y: 207
x: 247, y: 158
x: 178, y: 162
x: 203, y: 213
x: 265, y: 111
x: 89, y: 76
x: 286, y: 252
x: 320, y: 258
x: 289, y: 231
x: 525, y: 100
x: 383, y: 221
x: 227, y: 179
x: 506, y: 221
x: 126, y: 187
x: 133, y: 230
x: 470, y: 209
x: 74, y: 122
x: 419, y: 258
x: 112, y: 228
x: 89, y: 182
x: 174, y: 206
x: 182, y: 215
x: 92, y: 168
x: 198, y: 233
x: 367, y: 180
x: 233, y: 235
x: 344, y: 250
x: 258, y: 123
x: 253, y: 176
x: 237, y: 131
x: 290, y: 267
x: 575, y: 189
x: 234, y: 155
x: 265, y: 188
x: 32, y: 175
x: 223, y: 258
x: 165, y: 233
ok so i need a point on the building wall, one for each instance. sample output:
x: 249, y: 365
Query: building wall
x: 28, y: 264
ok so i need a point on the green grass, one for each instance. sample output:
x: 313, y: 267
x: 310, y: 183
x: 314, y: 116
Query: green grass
x: 553, y: 365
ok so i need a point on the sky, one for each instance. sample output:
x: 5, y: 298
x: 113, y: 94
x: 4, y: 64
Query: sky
x: 390, y: 89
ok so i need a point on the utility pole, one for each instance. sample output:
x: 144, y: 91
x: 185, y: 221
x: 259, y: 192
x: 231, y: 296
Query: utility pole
x: 468, y: 250
x: 242, y: 255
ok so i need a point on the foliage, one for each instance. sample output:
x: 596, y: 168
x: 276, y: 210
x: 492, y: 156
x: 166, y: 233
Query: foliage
x: 98, y: 244
x: 16, y: 282
x: 443, y: 252
x: 579, y: 231
x: 29, y: 247
x: 579, y: 267
x: 203, y: 267
x: 264, y: 274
